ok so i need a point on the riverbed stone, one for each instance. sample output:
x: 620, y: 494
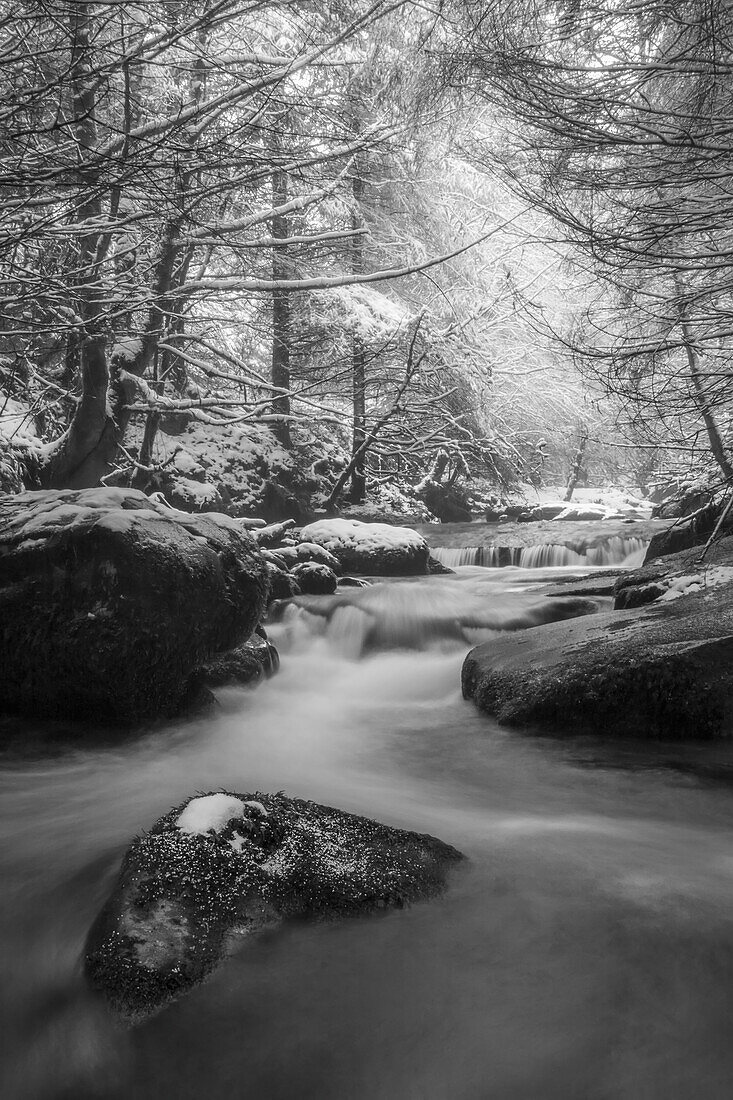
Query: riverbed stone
x: 371, y: 548
x: 249, y: 663
x: 692, y: 531
x: 223, y: 865
x: 309, y: 552
x: 315, y: 579
x: 664, y: 671
x: 109, y: 601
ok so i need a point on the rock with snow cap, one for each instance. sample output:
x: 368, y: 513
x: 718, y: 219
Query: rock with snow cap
x: 109, y: 601
x: 315, y: 579
x: 309, y: 552
x: 371, y: 548
x: 225, y: 864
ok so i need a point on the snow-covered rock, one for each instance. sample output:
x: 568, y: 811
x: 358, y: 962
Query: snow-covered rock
x: 309, y: 551
x: 226, y: 863
x: 109, y: 601
x: 375, y: 548
x: 314, y: 579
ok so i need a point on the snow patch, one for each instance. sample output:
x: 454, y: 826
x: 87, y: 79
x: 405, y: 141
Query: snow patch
x: 352, y: 534
x: 213, y: 812
x: 697, y: 582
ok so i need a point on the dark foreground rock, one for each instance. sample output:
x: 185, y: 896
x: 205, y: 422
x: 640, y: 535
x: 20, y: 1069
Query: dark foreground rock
x: 225, y: 864
x: 665, y: 671
x: 109, y: 602
x: 246, y: 664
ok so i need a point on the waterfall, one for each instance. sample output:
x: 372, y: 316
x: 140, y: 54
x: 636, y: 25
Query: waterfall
x: 615, y: 550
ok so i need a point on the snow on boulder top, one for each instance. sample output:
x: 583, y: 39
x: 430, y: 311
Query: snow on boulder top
x: 352, y: 534
x: 213, y: 812
x: 34, y: 515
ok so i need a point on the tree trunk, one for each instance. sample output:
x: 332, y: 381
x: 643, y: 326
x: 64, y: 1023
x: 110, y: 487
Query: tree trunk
x: 71, y: 461
x: 577, y: 467
x: 281, y: 326
x: 716, y: 443
x: 357, y: 492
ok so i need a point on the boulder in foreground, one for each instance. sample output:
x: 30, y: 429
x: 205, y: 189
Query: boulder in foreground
x: 372, y: 548
x: 109, y: 602
x: 664, y: 671
x: 224, y: 864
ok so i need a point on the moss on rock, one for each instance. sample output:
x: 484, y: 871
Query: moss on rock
x: 181, y: 895
x: 109, y: 601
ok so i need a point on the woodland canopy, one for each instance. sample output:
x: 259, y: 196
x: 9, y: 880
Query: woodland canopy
x: 332, y: 241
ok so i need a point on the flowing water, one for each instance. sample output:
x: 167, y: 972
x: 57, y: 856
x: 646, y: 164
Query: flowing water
x: 583, y: 952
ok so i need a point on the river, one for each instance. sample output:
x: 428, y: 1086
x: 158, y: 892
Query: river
x: 583, y: 952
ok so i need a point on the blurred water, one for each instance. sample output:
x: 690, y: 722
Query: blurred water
x: 614, y: 550
x: 585, y: 950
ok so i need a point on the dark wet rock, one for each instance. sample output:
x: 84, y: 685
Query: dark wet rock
x: 283, y: 586
x: 664, y: 671
x: 183, y: 892
x: 371, y: 548
x: 693, y: 531
x: 596, y: 584
x: 638, y: 595
x: 249, y: 663
x: 447, y: 503
x: 109, y: 601
x: 437, y: 569
x: 681, y: 500
x: 640, y: 587
x: 645, y: 585
x: 354, y: 582
x: 273, y: 557
x: 314, y: 579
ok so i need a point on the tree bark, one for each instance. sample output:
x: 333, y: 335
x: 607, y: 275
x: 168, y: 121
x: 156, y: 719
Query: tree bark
x: 281, y: 320
x: 71, y: 460
x: 693, y: 361
x: 577, y: 467
x: 357, y: 491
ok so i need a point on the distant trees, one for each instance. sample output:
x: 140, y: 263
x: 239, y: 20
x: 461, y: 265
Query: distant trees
x: 262, y: 213
x: 156, y: 162
x: 615, y: 118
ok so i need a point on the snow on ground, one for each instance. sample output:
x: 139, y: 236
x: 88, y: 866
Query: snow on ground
x: 610, y: 502
x: 352, y: 534
x: 697, y: 582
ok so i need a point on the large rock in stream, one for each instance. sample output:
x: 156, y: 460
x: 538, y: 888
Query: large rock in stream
x: 373, y: 548
x: 223, y: 865
x: 110, y: 601
x: 663, y: 671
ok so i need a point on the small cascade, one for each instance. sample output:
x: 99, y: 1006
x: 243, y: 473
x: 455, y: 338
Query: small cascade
x: 615, y: 550
x: 441, y: 613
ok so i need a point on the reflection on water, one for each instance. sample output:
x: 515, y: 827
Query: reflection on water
x: 584, y: 952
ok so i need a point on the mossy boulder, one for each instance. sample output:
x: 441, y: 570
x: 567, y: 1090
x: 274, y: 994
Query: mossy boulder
x: 664, y: 671
x: 109, y: 601
x: 228, y: 864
